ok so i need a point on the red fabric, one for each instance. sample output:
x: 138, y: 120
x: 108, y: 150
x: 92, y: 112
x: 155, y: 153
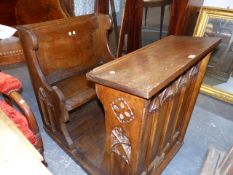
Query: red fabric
x: 19, y: 120
x: 8, y: 83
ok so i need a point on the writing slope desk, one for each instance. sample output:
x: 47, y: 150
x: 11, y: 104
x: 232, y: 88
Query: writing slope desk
x: 148, y: 97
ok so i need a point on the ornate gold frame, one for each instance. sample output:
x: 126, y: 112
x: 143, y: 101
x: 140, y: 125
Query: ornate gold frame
x: 205, y: 14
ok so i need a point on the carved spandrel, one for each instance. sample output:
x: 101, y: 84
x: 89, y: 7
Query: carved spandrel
x: 121, y: 144
x: 181, y: 82
x: 193, y: 71
x: 173, y: 89
x: 161, y: 98
x: 122, y: 111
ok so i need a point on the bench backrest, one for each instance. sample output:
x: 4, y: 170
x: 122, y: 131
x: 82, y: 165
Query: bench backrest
x: 65, y: 47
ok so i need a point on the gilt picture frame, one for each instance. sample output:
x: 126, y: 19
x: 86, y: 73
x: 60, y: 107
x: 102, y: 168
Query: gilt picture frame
x: 217, y: 22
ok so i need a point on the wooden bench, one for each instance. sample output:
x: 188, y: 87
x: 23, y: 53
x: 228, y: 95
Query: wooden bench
x: 59, y: 53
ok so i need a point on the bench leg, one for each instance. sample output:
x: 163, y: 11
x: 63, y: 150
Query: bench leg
x: 66, y: 135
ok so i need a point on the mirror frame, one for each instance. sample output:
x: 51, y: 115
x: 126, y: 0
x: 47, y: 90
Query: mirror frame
x: 201, y: 24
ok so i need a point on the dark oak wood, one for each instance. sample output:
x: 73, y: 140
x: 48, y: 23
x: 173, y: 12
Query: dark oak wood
x: 146, y: 85
x: 183, y: 16
x: 57, y: 62
x: 134, y: 11
x: 102, y: 6
x: 132, y: 26
x: 7, y: 12
x: 29, y: 11
x: 123, y: 30
x: 14, y: 12
x: 148, y: 98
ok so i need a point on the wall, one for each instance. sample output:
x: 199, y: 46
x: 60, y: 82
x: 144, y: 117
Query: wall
x: 87, y: 7
x: 219, y: 3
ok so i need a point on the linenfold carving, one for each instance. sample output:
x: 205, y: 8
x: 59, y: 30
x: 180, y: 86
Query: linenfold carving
x: 121, y: 144
x: 122, y: 111
x: 161, y: 98
x: 167, y: 93
x: 181, y: 82
x: 173, y: 89
x: 193, y: 71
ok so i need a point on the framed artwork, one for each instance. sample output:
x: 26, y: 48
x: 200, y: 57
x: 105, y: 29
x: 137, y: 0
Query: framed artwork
x: 218, y: 81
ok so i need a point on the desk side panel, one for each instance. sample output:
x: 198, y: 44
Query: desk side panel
x: 142, y: 135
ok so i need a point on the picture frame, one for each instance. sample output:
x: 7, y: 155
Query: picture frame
x: 217, y: 22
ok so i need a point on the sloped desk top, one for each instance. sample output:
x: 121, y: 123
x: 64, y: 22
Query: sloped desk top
x: 144, y: 72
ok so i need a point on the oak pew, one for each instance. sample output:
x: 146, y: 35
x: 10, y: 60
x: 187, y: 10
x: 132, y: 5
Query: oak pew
x: 58, y: 54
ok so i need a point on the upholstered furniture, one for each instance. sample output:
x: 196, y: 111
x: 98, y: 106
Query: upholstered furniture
x: 148, y: 98
x: 58, y: 54
x: 25, y: 121
x: 156, y: 3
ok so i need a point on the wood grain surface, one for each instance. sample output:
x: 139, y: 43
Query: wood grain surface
x: 146, y: 71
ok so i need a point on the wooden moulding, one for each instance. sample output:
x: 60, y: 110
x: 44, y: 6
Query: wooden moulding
x: 11, y: 51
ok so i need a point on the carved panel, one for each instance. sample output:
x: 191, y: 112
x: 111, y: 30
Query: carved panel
x: 181, y: 82
x: 161, y: 98
x: 121, y: 144
x: 42, y: 95
x: 122, y: 111
x: 193, y: 71
x: 47, y: 108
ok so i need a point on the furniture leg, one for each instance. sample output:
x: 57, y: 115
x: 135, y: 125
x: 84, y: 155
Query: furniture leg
x: 114, y: 20
x: 146, y: 10
x: 66, y: 135
x: 122, y: 31
x: 161, y: 20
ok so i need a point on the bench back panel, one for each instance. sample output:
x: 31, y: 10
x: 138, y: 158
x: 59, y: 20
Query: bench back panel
x: 68, y: 46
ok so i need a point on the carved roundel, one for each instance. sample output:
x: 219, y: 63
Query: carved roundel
x: 122, y: 110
